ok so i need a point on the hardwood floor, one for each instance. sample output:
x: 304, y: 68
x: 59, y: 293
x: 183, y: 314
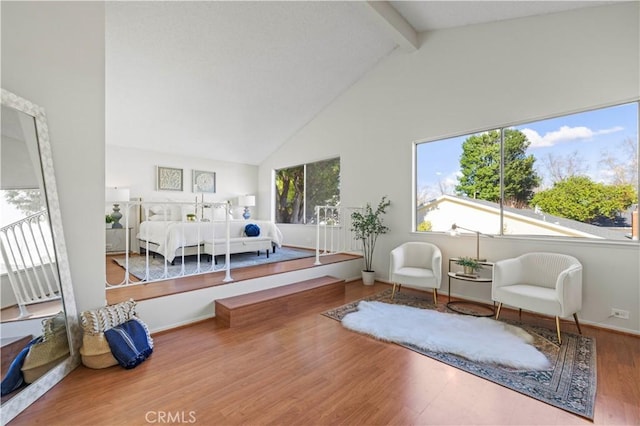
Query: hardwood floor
x: 307, y: 369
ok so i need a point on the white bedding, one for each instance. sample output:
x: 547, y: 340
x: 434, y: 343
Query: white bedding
x: 170, y: 236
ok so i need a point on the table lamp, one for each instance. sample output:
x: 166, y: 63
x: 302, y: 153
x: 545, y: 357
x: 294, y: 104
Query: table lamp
x: 246, y: 201
x: 117, y: 195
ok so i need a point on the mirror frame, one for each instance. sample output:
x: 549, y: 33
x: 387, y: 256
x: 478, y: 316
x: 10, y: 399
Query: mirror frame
x: 35, y: 390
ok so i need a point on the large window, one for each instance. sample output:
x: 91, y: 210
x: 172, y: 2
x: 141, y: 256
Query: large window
x: 569, y: 176
x: 299, y: 189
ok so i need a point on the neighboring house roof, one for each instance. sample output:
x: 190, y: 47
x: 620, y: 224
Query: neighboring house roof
x: 561, y: 222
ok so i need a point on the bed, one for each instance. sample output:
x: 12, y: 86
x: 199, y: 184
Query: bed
x: 173, y: 238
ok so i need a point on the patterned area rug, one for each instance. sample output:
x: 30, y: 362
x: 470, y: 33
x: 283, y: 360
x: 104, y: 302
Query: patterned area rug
x: 570, y: 383
x: 137, y: 264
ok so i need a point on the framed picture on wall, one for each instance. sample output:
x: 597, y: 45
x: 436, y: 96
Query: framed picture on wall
x: 204, y: 181
x: 168, y: 179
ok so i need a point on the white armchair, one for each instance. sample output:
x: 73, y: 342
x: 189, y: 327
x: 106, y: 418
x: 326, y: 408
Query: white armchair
x: 416, y: 265
x: 546, y: 283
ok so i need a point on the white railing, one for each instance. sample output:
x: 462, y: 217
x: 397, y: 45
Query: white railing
x: 192, y: 237
x: 29, y: 257
x: 333, y: 231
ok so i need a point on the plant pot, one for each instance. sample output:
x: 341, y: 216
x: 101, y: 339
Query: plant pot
x: 468, y: 270
x: 368, y: 277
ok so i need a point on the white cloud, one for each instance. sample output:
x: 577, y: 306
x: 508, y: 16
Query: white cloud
x: 564, y: 134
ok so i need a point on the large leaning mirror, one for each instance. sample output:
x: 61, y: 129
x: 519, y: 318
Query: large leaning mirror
x: 39, y: 322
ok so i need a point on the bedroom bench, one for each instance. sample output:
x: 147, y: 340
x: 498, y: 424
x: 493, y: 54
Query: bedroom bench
x: 289, y: 299
x: 218, y: 247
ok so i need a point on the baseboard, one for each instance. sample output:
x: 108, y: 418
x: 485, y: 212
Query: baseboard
x: 181, y: 324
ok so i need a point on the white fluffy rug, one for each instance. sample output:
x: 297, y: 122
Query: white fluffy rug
x: 478, y: 339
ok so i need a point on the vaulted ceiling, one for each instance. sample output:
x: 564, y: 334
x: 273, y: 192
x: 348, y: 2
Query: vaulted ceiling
x: 232, y: 81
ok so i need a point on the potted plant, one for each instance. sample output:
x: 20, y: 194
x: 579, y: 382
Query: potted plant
x: 108, y: 220
x: 191, y: 217
x: 469, y: 265
x: 367, y: 226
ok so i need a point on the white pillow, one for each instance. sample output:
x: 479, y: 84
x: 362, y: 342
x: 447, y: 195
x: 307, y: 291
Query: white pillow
x: 169, y: 211
x: 159, y: 209
x: 158, y: 218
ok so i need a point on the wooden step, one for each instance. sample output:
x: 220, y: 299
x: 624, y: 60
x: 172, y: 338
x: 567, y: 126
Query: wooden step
x: 289, y: 299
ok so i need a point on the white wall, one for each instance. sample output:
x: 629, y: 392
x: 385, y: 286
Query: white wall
x: 136, y: 169
x: 471, y: 78
x: 53, y: 55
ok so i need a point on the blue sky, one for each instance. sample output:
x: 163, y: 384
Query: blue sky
x: 589, y: 134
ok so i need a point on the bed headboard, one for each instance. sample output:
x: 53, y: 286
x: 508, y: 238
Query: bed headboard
x: 178, y: 210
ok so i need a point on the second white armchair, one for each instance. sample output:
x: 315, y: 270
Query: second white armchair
x: 546, y: 283
x: 416, y: 265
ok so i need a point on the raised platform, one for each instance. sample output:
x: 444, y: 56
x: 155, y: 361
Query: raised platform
x: 254, y: 307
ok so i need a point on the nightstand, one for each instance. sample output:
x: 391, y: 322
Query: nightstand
x: 116, y: 240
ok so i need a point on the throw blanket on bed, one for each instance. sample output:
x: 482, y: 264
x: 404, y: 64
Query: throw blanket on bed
x: 129, y: 343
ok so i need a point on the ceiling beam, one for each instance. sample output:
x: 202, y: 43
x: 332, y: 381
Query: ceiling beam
x: 402, y: 32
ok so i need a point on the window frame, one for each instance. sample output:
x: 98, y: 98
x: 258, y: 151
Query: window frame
x: 514, y: 124
x: 305, y: 192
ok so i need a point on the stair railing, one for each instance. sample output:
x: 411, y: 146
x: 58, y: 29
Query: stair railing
x: 333, y: 231
x: 29, y: 257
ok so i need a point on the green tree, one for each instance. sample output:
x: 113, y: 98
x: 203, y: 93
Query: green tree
x: 322, y: 185
x: 311, y: 185
x: 289, y: 194
x: 480, y: 168
x: 580, y: 198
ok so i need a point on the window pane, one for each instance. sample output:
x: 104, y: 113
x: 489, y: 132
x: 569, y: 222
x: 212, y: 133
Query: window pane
x: 290, y: 195
x: 299, y: 189
x: 458, y: 181
x: 322, y: 186
x: 570, y: 176
x: 588, y: 169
